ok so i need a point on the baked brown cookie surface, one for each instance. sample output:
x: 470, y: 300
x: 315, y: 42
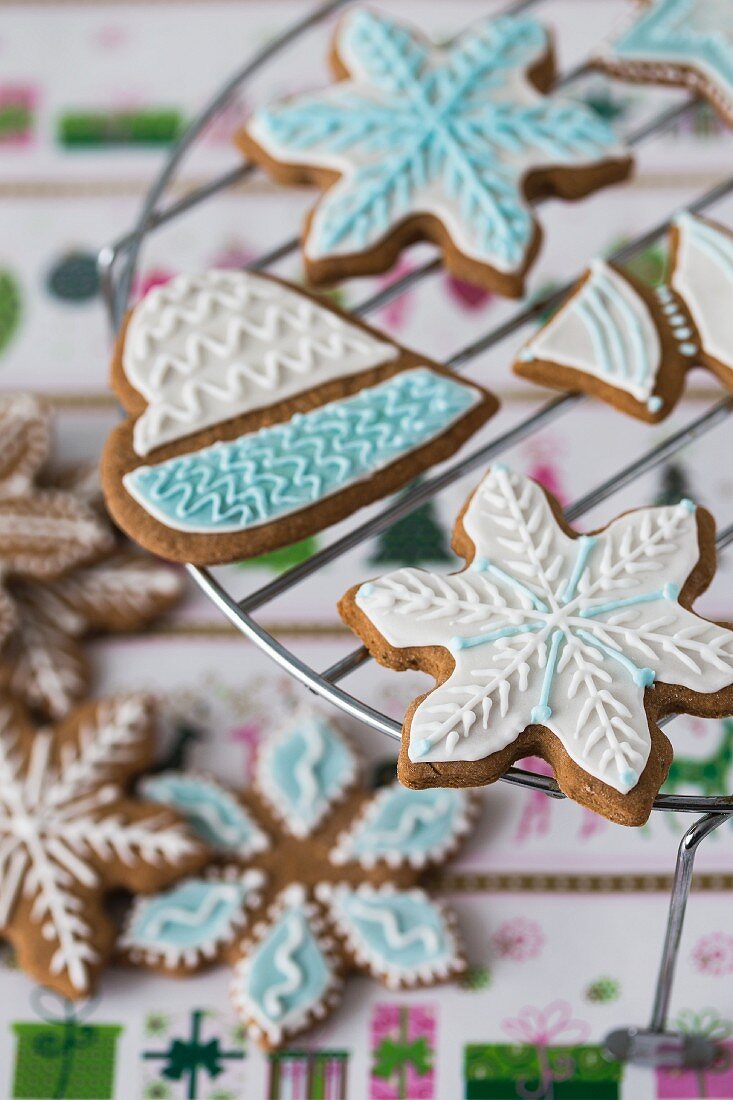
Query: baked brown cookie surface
x: 553, y: 644
x: 632, y: 345
x: 447, y: 144
x: 259, y: 415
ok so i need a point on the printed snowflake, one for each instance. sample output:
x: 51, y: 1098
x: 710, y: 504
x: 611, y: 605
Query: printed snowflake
x: 69, y: 833
x: 549, y: 629
x: 316, y: 876
x: 450, y: 133
x: 43, y: 532
x: 713, y: 954
x: 42, y: 662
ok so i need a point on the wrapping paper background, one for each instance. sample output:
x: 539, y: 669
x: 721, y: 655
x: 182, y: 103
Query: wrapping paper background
x: 538, y: 876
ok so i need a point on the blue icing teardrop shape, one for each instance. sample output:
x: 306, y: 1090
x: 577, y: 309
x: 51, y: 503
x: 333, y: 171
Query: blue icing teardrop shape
x: 303, y: 771
x: 398, y: 932
x: 210, y: 811
x: 404, y: 825
x: 269, y: 473
x: 287, y: 974
x: 190, y: 917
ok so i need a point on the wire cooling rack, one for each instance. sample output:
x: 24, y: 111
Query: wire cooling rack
x: 117, y: 263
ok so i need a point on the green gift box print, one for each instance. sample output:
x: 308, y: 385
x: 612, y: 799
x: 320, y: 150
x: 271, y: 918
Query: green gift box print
x: 64, y: 1058
x: 550, y: 1059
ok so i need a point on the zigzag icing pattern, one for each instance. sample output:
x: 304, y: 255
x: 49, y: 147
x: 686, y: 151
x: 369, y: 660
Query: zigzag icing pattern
x: 206, y: 348
x: 279, y: 470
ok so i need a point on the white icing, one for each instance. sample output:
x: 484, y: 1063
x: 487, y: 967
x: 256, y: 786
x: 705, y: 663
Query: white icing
x: 703, y: 277
x: 60, y: 822
x: 207, y: 348
x: 605, y: 330
x: 569, y: 623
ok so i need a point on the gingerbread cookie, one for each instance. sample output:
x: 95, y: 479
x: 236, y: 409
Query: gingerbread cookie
x: 69, y: 833
x: 259, y: 415
x: 42, y: 662
x: 632, y: 345
x: 553, y: 644
x: 447, y: 144
x: 316, y: 876
x: 43, y: 532
x: 688, y: 43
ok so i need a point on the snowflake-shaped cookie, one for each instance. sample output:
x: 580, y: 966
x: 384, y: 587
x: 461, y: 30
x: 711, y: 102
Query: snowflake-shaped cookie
x: 686, y: 42
x: 316, y: 876
x: 439, y: 143
x: 565, y: 646
x: 43, y: 532
x: 69, y: 833
x: 42, y: 662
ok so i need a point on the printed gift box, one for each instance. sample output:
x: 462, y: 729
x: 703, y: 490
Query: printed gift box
x: 62, y: 1056
x: 403, y: 1046
x: 716, y: 1081
x: 536, y: 1066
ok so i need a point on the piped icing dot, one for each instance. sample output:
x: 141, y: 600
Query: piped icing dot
x: 541, y: 714
x: 654, y: 403
x: 688, y: 505
x: 688, y: 349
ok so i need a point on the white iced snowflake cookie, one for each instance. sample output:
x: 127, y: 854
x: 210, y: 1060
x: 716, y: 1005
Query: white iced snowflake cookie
x: 632, y: 345
x: 565, y: 646
x: 70, y: 832
x: 445, y: 143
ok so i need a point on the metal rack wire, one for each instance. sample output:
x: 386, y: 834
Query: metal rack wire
x: 117, y: 263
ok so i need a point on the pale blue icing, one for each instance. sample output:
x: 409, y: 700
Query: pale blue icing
x: 399, y: 931
x: 416, y: 122
x: 406, y: 823
x: 212, y: 813
x: 303, y: 771
x: 287, y: 973
x: 191, y: 915
x: 691, y: 32
x: 278, y: 470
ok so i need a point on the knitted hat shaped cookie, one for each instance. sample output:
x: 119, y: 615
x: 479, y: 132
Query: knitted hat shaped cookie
x: 447, y: 144
x: 631, y: 345
x: 549, y: 643
x: 260, y: 415
x: 70, y: 833
x: 316, y: 876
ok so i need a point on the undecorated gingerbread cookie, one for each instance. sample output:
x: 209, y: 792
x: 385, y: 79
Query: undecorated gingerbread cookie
x: 632, y: 345
x: 442, y: 143
x: 553, y: 644
x: 315, y: 877
x: 259, y: 415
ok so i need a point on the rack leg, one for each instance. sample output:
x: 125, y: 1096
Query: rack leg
x: 655, y: 1045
